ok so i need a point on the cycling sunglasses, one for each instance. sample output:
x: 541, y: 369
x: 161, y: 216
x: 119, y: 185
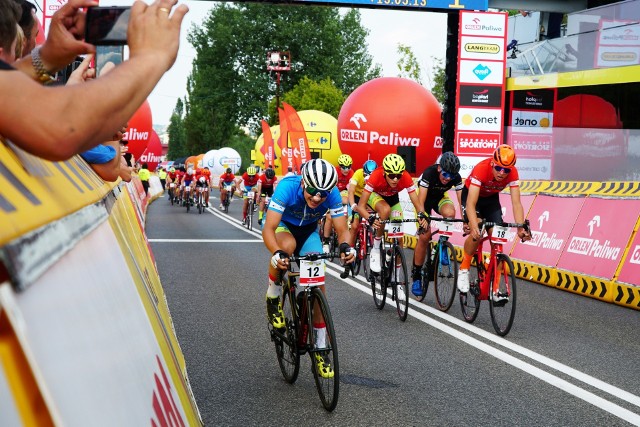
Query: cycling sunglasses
x: 446, y: 175
x: 345, y: 168
x: 394, y: 175
x: 314, y: 191
x: 502, y: 169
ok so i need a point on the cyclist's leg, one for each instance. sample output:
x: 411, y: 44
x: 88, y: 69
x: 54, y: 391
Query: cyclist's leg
x: 419, y: 256
x: 326, y: 231
x: 382, y: 208
x: 310, y: 245
x: 245, y: 205
x: 274, y: 307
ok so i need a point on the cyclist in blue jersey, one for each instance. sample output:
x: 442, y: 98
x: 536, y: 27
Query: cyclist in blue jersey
x: 290, y: 227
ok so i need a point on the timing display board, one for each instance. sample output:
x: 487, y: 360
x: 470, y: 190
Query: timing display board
x: 435, y: 5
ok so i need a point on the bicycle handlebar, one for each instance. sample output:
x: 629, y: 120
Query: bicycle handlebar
x: 309, y: 257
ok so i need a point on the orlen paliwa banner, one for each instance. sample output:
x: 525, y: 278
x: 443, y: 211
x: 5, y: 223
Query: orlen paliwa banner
x: 551, y: 220
x: 600, y: 236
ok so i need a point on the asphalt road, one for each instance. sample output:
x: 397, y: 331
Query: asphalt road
x: 568, y: 360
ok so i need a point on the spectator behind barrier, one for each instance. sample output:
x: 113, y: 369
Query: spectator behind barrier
x: 56, y: 123
x: 9, y: 13
x: 105, y: 159
x: 29, y: 24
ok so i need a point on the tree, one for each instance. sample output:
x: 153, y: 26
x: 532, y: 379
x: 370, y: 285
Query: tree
x: 311, y: 95
x: 229, y: 85
x: 408, y: 66
x: 177, y: 140
x: 437, y: 71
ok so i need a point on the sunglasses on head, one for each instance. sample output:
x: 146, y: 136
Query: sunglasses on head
x: 394, y: 175
x: 502, y: 169
x: 314, y: 191
x: 446, y: 175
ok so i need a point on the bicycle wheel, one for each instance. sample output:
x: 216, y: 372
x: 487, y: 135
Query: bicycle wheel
x: 399, y: 280
x: 250, y: 216
x: 502, y: 304
x: 445, y: 276
x: 470, y: 301
x: 328, y: 386
x: 188, y: 203
x: 355, y: 267
x: 200, y: 205
x: 287, y: 342
x: 424, y: 278
x: 378, y: 287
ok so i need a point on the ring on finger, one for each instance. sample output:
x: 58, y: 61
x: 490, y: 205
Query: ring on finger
x: 164, y: 9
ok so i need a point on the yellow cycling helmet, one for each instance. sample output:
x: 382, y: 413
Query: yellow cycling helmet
x: 251, y: 171
x: 393, y: 163
x: 345, y: 160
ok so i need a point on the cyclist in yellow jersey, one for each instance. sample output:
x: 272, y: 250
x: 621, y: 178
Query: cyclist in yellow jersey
x: 356, y: 185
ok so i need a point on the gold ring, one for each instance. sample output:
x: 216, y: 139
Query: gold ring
x: 164, y: 9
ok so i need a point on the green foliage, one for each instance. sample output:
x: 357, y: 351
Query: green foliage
x: 311, y: 95
x: 229, y: 85
x: 437, y: 89
x: 408, y: 66
x: 177, y: 137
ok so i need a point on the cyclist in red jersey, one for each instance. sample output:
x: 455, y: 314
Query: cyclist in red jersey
x: 249, y: 180
x: 383, y: 186
x: 266, y: 184
x: 345, y: 172
x: 227, y: 179
x: 480, y: 199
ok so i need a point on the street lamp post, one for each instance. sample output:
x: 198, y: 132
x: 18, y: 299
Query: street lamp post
x: 278, y: 61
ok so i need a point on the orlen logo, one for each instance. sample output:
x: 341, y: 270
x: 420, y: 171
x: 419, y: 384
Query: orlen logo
x: 482, y: 48
x: 593, y: 247
x: 635, y: 256
x: 475, y: 26
x: 133, y: 135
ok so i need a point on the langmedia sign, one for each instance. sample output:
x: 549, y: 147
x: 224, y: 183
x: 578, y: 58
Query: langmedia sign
x: 480, y: 88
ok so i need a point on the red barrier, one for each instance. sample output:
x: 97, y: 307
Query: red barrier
x: 507, y: 215
x: 552, y: 219
x: 600, y: 236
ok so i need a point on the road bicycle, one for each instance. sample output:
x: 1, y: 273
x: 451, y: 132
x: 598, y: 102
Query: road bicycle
x: 393, y: 273
x: 333, y: 239
x: 441, y: 265
x: 251, y: 208
x: 494, y: 280
x: 303, y: 309
x: 187, y: 197
x: 363, y: 245
x: 227, y: 200
x: 200, y: 199
x: 172, y: 196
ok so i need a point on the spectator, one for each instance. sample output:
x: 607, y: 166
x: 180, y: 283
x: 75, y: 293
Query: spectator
x: 128, y: 157
x: 144, y: 176
x: 56, y: 123
x: 162, y: 174
x: 8, y: 31
x: 30, y: 26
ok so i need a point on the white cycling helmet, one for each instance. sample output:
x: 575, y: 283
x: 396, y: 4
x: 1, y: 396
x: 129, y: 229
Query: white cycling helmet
x: 319, y: 174
x: 202, y: 179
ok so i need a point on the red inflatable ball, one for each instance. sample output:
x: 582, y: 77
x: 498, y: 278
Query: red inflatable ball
x: 139, y: 131
x: 391, y: 115
x: 153, y: 154
x: 40, y: 38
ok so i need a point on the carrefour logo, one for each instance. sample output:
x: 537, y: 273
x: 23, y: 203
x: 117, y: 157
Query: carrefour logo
x: 481, y: 71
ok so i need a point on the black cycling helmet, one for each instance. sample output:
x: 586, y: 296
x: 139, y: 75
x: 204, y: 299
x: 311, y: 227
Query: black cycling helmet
x: 449, y: 162
x: 229, y: 170
x: 270, y: 173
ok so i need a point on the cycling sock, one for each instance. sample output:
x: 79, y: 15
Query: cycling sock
x: 466, y: 261
x: 260, y: 213
x: 376, y: 242
x: 273, y: 291
x: 320, y: 329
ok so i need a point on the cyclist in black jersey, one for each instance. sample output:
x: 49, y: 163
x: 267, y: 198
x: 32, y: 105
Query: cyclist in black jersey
x: 434, y: 183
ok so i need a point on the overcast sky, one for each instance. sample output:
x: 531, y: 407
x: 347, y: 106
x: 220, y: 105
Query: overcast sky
x: 424, y: 32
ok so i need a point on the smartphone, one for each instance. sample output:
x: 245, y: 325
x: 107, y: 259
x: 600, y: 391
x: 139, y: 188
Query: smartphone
x: 107, y: 26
